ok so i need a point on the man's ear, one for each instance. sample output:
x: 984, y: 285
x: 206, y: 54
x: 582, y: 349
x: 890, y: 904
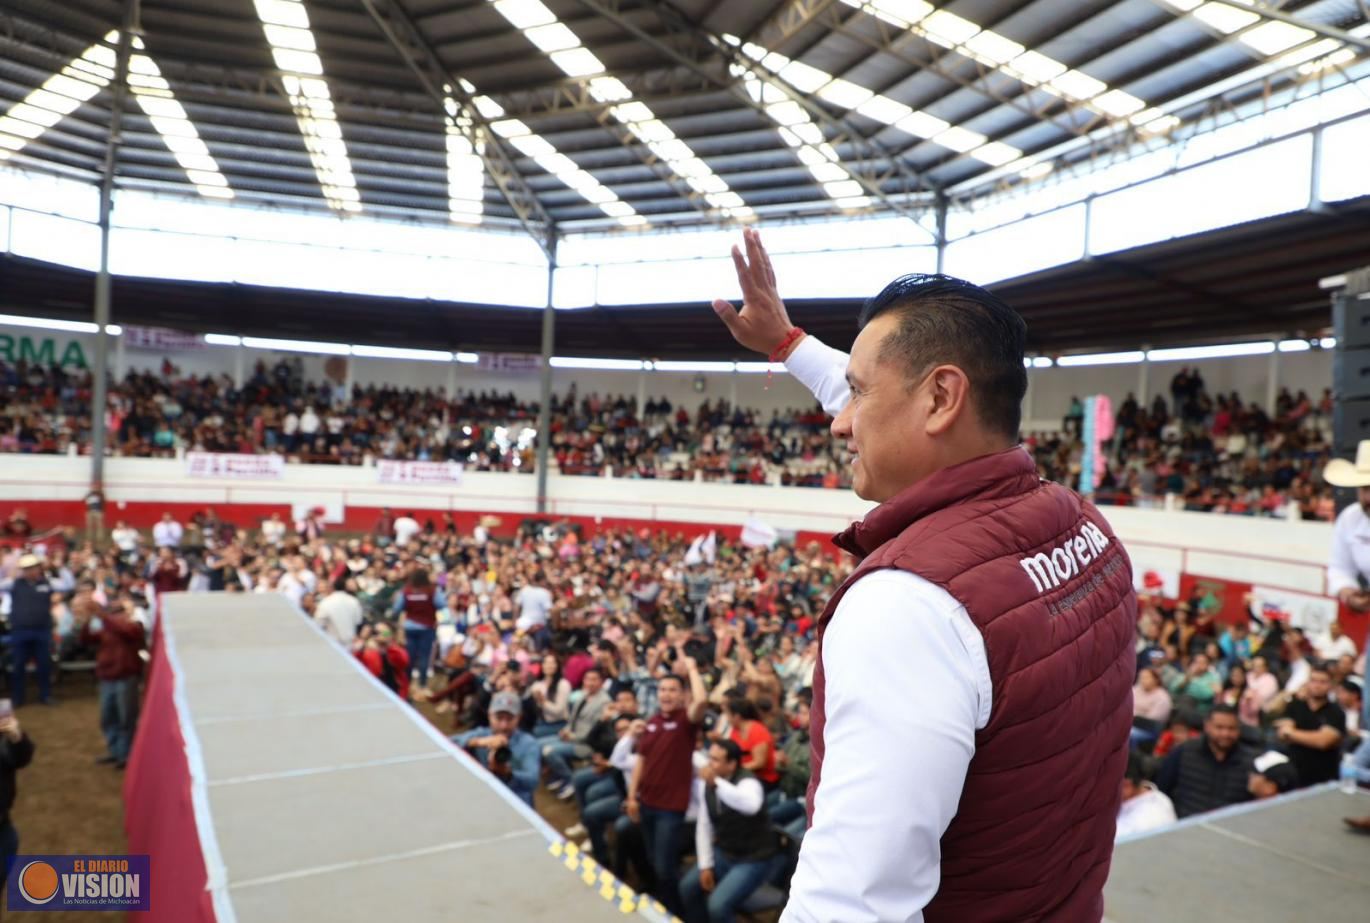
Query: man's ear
x: 948, y: 389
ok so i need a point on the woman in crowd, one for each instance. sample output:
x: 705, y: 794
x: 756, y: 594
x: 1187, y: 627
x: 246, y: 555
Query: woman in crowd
x: 419, y: 602
x: 551, y: 695
x: 1261, y: 687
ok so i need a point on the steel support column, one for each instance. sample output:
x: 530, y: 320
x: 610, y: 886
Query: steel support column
x: 119, y: 90
x: 549, y: 323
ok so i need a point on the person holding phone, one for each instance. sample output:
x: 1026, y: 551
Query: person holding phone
x: 16, y: 752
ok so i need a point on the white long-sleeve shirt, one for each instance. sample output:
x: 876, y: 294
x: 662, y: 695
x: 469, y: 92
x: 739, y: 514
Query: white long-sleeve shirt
x: 1350, y: 550
x: 907, y: 687
x: 746, y: 796
x: 823, y: 370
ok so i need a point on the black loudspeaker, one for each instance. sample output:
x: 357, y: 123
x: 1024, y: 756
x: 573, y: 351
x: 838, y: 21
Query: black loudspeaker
x: 1351, y: 363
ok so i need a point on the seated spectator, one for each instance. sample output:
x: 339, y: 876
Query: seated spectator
x: 1272, y: 774
x: 1261, y: 687
x: 1144, y: 807
x: 753, y: 738
x: 1312, y: 729
x: 1210, y: 771
x: 1150, y: 707
x: 1199, y: 685
x: 1333, y: 643
x: 735, y: 847
x: 551, y: 696
x: 511, y: 754
x: 572, y: 741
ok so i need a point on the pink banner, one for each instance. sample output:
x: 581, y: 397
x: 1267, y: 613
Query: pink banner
x: 411, y: 472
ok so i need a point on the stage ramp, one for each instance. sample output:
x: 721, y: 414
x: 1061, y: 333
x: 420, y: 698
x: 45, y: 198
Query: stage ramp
x: 321, y: 796
x: 1286, y: 859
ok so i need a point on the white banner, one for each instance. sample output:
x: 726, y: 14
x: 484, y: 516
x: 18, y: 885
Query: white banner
x: 234, y: 467
x: 412, y: 472
x: 160, y: 338
x: 510, y: 362
x: 1301, y: 610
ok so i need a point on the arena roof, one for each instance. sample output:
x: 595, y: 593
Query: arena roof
x: 570, y: 114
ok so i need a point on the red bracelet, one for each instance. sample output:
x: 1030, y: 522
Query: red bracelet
x: 790, y: 338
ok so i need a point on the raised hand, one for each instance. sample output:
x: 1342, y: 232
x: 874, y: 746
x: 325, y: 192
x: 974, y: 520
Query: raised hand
x: 763, y: 323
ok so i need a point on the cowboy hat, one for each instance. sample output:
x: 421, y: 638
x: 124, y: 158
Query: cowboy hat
x: 30, y: 560
x: 1342, y: 473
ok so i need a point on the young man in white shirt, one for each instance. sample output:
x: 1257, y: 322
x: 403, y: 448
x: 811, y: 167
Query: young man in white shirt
x: 167, y: 533
x: 1145, y: 807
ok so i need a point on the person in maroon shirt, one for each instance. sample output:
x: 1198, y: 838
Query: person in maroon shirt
x: 168, y: 573
x: 118, y: 667
x: 659, y: 789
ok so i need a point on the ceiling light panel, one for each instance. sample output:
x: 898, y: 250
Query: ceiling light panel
x: 1000, y: 53
x: 1269, y: 38
x: 845, y: 94
x: 465, y: 165
x: 800, y: 133
x: 545, y: 153
x: 286, y: 26
x: 565, y: 49
x: 62, y: 93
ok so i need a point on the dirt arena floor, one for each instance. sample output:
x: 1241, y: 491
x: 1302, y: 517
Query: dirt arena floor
x: 66, y: 803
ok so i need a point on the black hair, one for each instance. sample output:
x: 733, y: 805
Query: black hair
x: 1136, y: 768
x: 947, y: 320
x: 595, y: 670
x: 731, y: 748
x: 1223, y: 709
x: 672, y: 676
x: 805, y: 695
x: 743, y: 707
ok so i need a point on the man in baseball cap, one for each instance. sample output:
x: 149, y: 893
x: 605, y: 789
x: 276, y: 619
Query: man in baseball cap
x: 510, y: 753
x: 1271, y: 774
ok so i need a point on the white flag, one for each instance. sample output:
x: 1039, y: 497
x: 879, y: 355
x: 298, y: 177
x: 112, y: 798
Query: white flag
x: 756, y: 534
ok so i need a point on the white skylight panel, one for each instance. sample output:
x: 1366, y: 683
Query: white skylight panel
x: 798, y: 129
x: 577, y: 62
x: 960, y: 139
x: 1271, y: 38
x: 465, y: 167
x: 525, y: 14
x: 947, y: 29
x: 884, y: 109
x: 552, y: 37
x: 285, y: 23
x: 1224, y: 18
x: 565, y: 49
x: 992, y: 48
x: 1118, y: 103
x: 996, y: 153
x: 844, y: 93
x: 609, y: 89
x: 1077, y: 85
x: 802, y: 77
x: 62, y: 93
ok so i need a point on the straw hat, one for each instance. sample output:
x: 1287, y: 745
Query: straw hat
x: 1342, y: 473
x: 30, y: 560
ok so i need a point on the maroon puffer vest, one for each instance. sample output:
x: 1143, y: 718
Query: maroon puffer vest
x: 1050, y: 589
x: 419, y: 606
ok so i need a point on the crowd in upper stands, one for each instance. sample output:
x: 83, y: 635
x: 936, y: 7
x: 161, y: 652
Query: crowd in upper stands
x: 656, y: 684
x: 1218, y: 453
x: 46, y: 410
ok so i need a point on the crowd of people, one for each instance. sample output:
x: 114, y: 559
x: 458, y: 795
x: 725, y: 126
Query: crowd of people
x: 1228, y: 712
x: 655, y: 684
x: 45, y: 410
x: 1218, y: 453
